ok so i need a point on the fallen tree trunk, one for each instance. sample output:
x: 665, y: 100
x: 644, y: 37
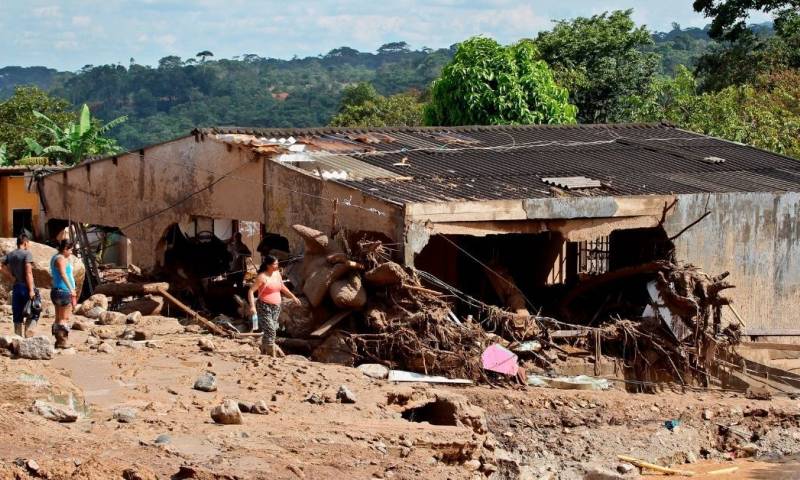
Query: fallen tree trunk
x: 131, y: 289
x: 196, y: 317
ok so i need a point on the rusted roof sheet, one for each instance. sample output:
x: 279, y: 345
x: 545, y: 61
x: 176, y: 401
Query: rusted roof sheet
x: 514, y: 162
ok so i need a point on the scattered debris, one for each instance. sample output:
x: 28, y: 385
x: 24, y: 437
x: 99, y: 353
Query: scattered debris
x: 580, y: 382
x: 404, y: 376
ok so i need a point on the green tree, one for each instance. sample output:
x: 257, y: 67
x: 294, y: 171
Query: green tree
x: 362, y: 106
x: 488, y: 84
x: 765, y: 114
x: 204, y: 55
x: 729, y: 17
x: 18, y: 121
x: 601, y: 61
x: 75, y: 141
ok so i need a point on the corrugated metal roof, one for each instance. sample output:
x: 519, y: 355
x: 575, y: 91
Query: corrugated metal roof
x: 511, y: 162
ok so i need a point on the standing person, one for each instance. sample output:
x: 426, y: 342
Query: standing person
x: 63, y: 293
x: 239, y: 255
x: 269, y: 285
x: 19, y: 264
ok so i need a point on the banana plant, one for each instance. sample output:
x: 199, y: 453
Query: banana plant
x: 4, y: 161
x: 75, y: 141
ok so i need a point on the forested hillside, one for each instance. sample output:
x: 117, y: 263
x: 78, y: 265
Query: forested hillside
x: 168, y: 99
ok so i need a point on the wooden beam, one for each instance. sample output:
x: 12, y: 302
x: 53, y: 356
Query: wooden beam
x: 332, y: 322
x: 196, y: 317
x: 131, y: 289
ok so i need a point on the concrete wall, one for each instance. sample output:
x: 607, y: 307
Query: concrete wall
x: 145, y: 194
x: 756, y: 237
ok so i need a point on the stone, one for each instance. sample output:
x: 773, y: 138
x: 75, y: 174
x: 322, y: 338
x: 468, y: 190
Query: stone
x: 297, y: 320
x: 260, y: 408
x: 111, y: 318
x: 245, y: 407
x: 79, y: 325
x: 708, y: 414
x: 41, y: 265
x: 163, y: 439
x: 691, y: 457
x: 102, y: 333
x: 139, y: 472
x: 56, y: 413
x: 127, y: 334
x: 147, y: 305
x: 625, y: 468
x: 337, y: 348
x: 93, y: 313
x: 192, y: 328
x: 388, y: 273
x: 124, y: 414
x: 472, y: 465
x: 133, y: 318
x: 314, y: 399
x: 105, y: 347
x: 227, y: 414
x: 92, y: 341
x: 602, y: 473
x: 206, y: 382
x: 96, y: 300
x: 374, y: 370
x: 130, y: 344
x: 141, y: 335
x: 349, y: 292
x: 206, y: 344
x: 32, y: 465
x: 345, y: 395
x: 67, y: 351
x: 7, y: 341
x: 34, y: 348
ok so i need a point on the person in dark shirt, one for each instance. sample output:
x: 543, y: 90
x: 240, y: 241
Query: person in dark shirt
x: 19, y: 265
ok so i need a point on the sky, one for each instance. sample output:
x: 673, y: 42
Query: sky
x: 69, y: 34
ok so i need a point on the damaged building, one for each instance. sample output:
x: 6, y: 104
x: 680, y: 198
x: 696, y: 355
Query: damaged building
x: 517, y: 216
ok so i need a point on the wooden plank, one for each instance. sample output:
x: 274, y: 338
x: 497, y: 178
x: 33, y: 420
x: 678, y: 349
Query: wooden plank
x: 330, y: 323
x: 568, y: 333
x: 196, y: 317
x: 131, y: 289
x: 654, y: 467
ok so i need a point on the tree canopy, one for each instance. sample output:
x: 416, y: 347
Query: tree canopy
x: 601, y: 61
x: 18, y: 120
x: 362, y: 106
x: 487, y: 84
x: 729, y: 17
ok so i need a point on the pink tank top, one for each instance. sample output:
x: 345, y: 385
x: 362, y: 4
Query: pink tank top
x: 270, y: 292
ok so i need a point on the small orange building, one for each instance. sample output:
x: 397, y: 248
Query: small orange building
x: 19, y: 206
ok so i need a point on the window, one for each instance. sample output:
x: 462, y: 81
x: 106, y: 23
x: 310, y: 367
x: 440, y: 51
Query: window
x: 593, y: 256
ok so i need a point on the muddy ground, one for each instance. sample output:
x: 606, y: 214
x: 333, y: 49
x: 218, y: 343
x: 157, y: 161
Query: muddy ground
x: 477, y: 432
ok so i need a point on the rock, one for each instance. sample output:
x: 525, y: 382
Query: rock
x: 245, y: 407
x: 96, y: 300
x: 41, y: 264
x: 314, y: 399
x: 127, y: 334
x: 691, y: 457
x: 56, y: 413
x: 374, y: 370
x: 344, y: 395
x: 206, y: 382
x: 67, y: 351
x: 708, y: 414
x: 79, y: 324
x: 192, y: 329
x: 7, y: 341
x: 625, y: 468
x: 472, y: 465
x: 260, y: 408
x: 139, y: 472
x: 111, y: 318
x: 227, y: 414
x: 102, y: 333
x: 349, y: 292
x: 124, y: 414
x: 133, y: 318
x: 32, y: 465
x: 601, y: 473
x: 316, y: 241
x: 337, y: 348
x: 297, y: 320
x: 162, y: 439
x: 92, y: 341
x: 94, y: 313
x: 147, y: 305
x: 105, y: 347
x: 34, y: 348
x: 388, y: 273
x: 141, y: 335
x: 206, y: 344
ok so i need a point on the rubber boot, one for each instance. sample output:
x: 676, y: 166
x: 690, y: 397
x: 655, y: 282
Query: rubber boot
x: 61, y: 333
x: 30, y: 328
x: 18, y: 329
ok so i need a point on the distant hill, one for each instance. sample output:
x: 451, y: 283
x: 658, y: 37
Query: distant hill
x: 169, y: 99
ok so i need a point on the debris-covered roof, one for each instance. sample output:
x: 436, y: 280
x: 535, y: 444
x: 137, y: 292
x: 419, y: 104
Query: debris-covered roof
x: 423, y: 164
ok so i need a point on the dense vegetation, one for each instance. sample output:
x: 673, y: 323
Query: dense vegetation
x: 723, y: 80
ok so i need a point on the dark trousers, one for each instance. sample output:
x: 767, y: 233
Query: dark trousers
x: 19, y: 298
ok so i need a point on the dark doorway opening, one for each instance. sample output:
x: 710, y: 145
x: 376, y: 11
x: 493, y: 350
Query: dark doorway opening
x: 22, y: 222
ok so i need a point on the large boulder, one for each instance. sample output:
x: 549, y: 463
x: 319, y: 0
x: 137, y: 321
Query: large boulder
x: 41, y: 264
x: 34, y: 348
x: 348, y: 292
x: 227, y: 413
x: 297, y: 320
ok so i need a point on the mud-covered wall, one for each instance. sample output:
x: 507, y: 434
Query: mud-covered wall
x: 755, y: 236
x: 143, y: 193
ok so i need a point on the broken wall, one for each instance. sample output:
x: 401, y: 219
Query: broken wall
x: 756, y: 237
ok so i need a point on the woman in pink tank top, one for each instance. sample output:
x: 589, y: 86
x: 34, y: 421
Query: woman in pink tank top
x: 269, y: 287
